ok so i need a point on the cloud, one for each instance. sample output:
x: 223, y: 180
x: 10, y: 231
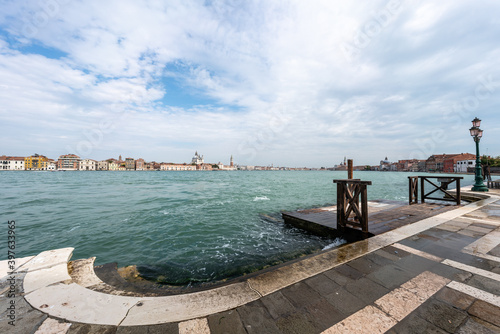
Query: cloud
x: 266, y: 81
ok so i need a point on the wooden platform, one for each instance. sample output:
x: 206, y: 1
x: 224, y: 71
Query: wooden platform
x: 383, y: 216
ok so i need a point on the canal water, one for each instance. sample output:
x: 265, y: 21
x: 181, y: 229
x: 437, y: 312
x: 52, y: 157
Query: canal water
x: 177, y: 227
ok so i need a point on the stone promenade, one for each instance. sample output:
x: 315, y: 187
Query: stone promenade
x: 437, y: 275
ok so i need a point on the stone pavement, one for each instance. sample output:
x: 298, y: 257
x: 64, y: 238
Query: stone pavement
x: 438, y: 275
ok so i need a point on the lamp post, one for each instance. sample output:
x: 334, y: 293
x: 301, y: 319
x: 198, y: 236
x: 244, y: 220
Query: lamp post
x: 477, y: 133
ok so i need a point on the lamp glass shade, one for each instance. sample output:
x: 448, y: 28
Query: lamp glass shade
x: 479, y: 133
x: 474, y: 131
x: 476, y: 122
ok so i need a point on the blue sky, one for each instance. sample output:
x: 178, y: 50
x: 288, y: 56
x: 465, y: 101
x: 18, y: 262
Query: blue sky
x: 289, y: 83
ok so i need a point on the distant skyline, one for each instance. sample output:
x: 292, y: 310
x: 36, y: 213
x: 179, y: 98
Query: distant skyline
x: 289, y: 83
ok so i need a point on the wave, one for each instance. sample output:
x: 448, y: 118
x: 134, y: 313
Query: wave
x: 261, y: 198
x: 337, y: 242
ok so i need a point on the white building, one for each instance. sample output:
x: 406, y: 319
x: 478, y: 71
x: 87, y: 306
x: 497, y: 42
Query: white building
x: 177, y: 167
x: 102, y: 165
x: 87, y: 164
x: 51, y: 165
x: 11, y: 163
x: 197, y: 159
x: 462, y: 165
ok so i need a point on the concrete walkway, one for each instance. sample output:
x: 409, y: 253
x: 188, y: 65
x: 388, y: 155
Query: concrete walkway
x: 437, y: 275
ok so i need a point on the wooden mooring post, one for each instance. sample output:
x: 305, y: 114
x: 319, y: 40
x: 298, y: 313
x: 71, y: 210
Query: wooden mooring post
x: 413, y: 187
x: 349, y: 212
x: 350, y: 169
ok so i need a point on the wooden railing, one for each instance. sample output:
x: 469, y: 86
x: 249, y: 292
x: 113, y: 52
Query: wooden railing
x: 413, y: 187
x: 349, y: 211
x: 444, y: 181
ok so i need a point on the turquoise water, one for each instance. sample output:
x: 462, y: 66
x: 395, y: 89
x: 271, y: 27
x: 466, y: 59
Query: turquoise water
x: 184, y: 227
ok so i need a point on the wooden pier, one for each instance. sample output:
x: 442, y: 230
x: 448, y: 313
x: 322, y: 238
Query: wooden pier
x: 383, y: 216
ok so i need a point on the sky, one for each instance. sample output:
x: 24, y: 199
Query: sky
x: 287, y: 83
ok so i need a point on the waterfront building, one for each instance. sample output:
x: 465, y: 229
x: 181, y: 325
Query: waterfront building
x: 385, y: 164
x: 197, y: 159
x: 87, y: 164
x: 139, y: 164
x: 113, y: 164
x: 408, y: 165
x: 11, y: 163
x: 68, y: 162
x: 204, y: 166
x: 102, y: 165
x: 463, y: 166
x: 435, y: 163
x: 51, y: 165
x: 172, y: 167
x: 129, y: 164
x: 231, y: 163
x: 36, y: 162
x: 450, y: 164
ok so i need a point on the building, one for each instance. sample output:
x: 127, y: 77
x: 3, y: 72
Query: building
x: 129, y: 164
x: 113, y: 164
x: 36, y: 162
x: 139, y: 164
x: 231, y: 162
x: 464, y: 165
x: 460, y: 163
x: 88, y: 164
x: 172, y: 167
x: 204, y: 166
x: 385, y: 164
x: 68, y: 162
x: 51, y: 165
x: 197, y: 159
x: 408, y: 165
x: 102, y: 165
x: 435, y: 163
x: 11, y: 163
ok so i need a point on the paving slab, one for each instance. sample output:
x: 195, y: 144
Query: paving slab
x: 322, y: 284
x: 40, y: 278
x: 485, y: 311
x: 442, y: 315
x: 277, y: 305
x: 256, y: 319
x: 369, y: 320
x: 473, y: 327
x: 48, y: 259
x: 75, y: 303
x: 301, y: 295
x: 53, y: 326
x: 323, y: 315
x: 455, y: 298
x: 228, y: 322
x: 156, y: 310
x: 390, y: 276
x: 366, y: 290
x: 413, y: 324
x: 198, y: 326
x: 345, y: 302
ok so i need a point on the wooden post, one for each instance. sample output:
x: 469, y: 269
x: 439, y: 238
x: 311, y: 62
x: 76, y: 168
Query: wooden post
x: 349, y: 169
x: 422, y: 195
x: 364, y: 210
x: 349, y: 211
x: 459, y: 196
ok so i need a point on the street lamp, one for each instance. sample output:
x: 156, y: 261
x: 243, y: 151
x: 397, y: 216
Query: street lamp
x: 477, y: 133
